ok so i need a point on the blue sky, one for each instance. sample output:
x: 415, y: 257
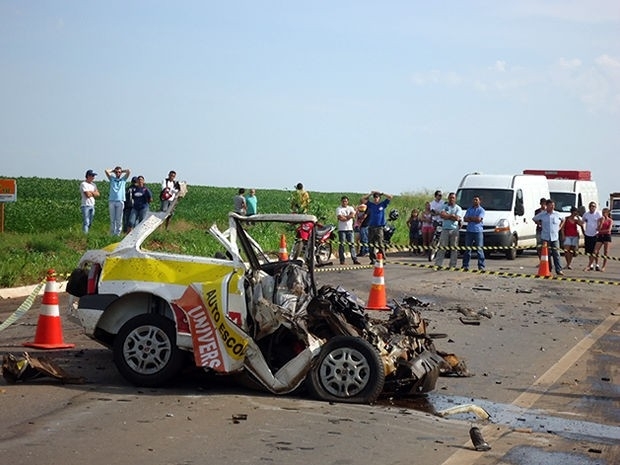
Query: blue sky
x: 400, y: 96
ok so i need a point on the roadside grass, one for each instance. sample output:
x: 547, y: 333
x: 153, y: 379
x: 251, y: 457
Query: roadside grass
x: 42, y: 230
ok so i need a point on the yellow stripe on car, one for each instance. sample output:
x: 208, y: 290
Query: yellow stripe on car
x: 162, y: 271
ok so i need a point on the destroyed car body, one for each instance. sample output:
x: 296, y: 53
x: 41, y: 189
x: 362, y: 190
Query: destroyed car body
x: 245, y: 313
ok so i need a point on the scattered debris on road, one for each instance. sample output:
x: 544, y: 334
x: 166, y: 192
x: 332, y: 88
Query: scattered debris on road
x: 27, y: 368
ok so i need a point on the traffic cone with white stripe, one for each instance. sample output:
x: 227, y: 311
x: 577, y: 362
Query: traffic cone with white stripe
x: 49, y: 327
x: 543, y: 266
x: 377, y: 299
x: 283, y: 254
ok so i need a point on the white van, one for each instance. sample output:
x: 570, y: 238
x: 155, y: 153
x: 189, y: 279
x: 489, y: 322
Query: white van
x: 568, y: 193
x: 509, y: 202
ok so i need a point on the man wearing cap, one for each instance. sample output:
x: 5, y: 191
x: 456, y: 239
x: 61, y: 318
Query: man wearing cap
x: 88, y: 193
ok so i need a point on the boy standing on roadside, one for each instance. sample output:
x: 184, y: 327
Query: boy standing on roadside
x: 345, y: 214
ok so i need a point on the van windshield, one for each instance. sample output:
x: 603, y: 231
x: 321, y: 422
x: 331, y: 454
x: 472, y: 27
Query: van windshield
x: 490, y: 199
x: 563, y: 200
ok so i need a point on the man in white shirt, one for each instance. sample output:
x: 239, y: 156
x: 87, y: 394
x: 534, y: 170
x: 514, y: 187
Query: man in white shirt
x: 88, y: 193
x: 346, y: 214
x: 437, y: 205
x: 590, y: 220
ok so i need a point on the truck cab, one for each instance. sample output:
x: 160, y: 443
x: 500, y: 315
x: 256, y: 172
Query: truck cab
x: 569, y: 188
x: 614, y: 207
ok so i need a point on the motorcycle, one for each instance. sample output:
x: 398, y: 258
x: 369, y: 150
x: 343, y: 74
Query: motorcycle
x: 322, y: 242
x: 389, y: 229
x: 432, y: 253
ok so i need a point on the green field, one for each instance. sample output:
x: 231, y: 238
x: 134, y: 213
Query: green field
x: 43, y: 229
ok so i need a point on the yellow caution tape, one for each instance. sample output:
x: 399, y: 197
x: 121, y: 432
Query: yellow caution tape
x: 23, y: 308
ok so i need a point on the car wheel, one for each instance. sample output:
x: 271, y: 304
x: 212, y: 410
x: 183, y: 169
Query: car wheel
x: 511, y: 253
x: 348, y: 369
x: 323, y: 253
x: 145, y: 350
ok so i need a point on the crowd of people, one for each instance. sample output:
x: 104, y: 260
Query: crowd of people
x: 557, y: 231
x: 129, y: 200
x: 362, y: 227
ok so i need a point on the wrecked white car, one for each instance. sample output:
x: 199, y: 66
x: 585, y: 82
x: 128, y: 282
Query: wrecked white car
x: 246, y: 313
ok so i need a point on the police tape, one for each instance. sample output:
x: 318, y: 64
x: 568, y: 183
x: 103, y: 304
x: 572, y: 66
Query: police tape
x: 23, y: 308
x: 506, y: 274
x: 421, y: 248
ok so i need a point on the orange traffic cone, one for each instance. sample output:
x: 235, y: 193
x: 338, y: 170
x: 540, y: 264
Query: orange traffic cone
x: 49, y: 328
x: 543, y: 267
x: 282, y: 254
x: 377, y: 299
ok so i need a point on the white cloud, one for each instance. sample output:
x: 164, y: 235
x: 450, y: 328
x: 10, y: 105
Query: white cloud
x: 573, y: 63
x: 500, y: 66
x: 608, y: 63
x: 448, y: 78
x: 595, y: 84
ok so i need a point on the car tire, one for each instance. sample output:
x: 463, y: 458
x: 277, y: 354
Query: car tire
x: 511, y: 253
x: 348, y: 369
x: 145, y: 350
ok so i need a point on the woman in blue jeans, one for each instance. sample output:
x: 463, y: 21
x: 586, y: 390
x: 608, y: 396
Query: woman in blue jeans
x: 142, y: 197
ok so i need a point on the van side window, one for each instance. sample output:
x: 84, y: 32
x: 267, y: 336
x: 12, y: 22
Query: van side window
x: 519, y: 207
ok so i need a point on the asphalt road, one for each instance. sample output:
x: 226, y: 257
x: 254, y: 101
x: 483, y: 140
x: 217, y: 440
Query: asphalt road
x: 544, y: 365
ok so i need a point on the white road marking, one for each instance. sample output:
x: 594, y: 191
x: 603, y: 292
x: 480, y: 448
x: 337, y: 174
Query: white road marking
x: 491, y: 433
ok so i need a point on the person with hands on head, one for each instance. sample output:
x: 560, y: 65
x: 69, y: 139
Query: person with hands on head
x: 116, y: 200
x: 376, y: 221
